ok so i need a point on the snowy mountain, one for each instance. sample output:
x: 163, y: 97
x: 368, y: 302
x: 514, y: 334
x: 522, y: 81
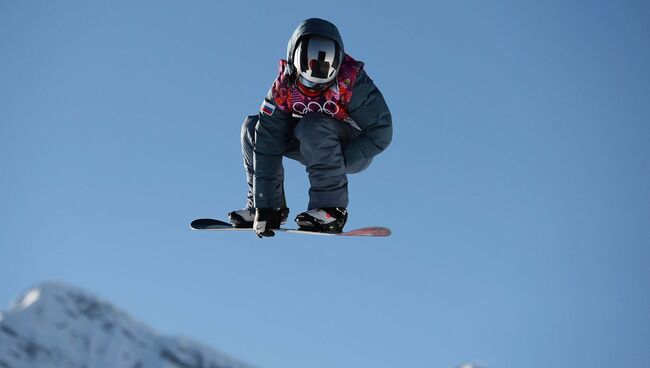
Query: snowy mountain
x: 54, y: 325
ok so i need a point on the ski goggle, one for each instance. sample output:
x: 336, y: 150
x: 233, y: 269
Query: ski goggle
x: 311, y: 85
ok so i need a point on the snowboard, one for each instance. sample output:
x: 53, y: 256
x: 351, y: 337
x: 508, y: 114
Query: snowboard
x: 217, y: 225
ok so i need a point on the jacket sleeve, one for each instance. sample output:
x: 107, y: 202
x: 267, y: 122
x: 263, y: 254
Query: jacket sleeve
x: 369, y: 111
x: 272, y: 135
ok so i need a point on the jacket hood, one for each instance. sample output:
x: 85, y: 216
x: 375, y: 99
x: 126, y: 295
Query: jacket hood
x: 313, y: 26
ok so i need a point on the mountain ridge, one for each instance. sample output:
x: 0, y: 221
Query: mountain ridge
x: 54, y: 325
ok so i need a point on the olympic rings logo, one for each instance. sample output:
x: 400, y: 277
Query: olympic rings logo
x: 329, y: 107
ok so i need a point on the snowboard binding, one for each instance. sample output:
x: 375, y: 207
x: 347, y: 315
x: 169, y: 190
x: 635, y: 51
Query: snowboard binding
x: 245, y: 218
x: 323, y: 220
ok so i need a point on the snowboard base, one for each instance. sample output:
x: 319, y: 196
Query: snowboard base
x: 217, y: 225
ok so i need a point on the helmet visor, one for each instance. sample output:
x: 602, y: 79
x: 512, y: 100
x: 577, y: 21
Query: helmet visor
x: 311, y: 85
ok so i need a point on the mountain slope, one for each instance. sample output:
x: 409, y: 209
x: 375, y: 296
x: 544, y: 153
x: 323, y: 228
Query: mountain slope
x: 55, y: 325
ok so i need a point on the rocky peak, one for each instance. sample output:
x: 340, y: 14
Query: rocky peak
x: 57, y: 325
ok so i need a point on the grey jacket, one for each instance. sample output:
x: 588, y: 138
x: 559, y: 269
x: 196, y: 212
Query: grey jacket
x: 274, y: 131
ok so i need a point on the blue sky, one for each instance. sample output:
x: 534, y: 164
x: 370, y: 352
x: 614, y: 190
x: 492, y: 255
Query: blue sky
x: 517, y: 184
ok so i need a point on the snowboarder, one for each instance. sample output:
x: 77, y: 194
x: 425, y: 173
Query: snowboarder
x: 324, y: 111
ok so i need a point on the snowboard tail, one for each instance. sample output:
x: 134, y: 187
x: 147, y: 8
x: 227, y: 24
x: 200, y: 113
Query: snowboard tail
x: 218, y: 225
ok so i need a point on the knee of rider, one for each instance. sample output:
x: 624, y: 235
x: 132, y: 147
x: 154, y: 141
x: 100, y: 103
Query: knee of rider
x: 358, y: 166
x: 248, y: 128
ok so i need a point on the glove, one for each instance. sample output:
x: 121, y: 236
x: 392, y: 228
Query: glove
x: 265, y: 220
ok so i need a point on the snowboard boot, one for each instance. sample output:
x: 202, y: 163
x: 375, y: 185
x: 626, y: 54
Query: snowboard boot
x: 323, y: 220
x: 245, y: 218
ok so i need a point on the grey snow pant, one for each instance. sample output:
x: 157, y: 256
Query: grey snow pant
x: 317, y: 143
